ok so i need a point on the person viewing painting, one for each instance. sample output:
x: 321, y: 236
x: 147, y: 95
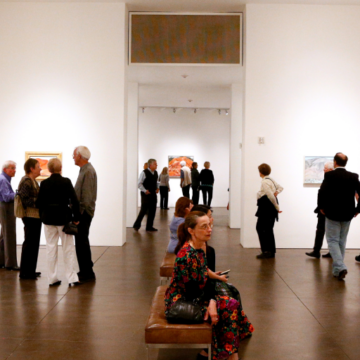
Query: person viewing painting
x: 164, y: 188
x: 267, y: 213
x: 195, y: 183
x: 28, y: 191
x: 192, y: 279
x: 207, y: 183
x: 185, y: 179
x: 55, y: 195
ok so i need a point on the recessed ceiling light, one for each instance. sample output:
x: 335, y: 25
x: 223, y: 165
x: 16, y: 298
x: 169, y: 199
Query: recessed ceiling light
x: 184, y: 76
x: 189, y: 100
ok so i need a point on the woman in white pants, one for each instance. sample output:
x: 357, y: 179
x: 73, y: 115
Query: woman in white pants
x: 55, y: 195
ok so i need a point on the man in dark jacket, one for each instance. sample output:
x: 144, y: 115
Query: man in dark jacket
x: 336, y: 201
x: 195, y: 184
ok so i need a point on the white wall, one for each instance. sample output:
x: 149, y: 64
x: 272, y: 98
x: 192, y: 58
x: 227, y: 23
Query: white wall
x: 63, y: 84
x: 302, y: 94
x: 204, y: 135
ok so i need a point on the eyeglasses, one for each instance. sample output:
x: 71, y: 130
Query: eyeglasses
x: 205, y: 227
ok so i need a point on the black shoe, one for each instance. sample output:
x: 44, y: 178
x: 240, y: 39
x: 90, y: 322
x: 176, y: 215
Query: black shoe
x: 342, y: 274
x: 201, y: 357
x: 38, y: 274
x: 135, y: 228
x: 265, y: 255
x: 87, y: 278
x: 328, y: 255
x: 167, y: 209
x: 57, y: 283
x: 13, y: 268
x: 2, y: 266
x: 313, y: 254
x: 152, y: 229
x: 76, y: 283
x: 357, y: 258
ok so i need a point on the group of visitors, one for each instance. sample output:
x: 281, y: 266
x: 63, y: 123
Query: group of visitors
x: 335, y: 209
x: 56, y: 204
x: 150, y: 183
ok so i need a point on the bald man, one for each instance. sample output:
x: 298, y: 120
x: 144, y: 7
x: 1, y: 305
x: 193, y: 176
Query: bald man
x: 336, y: 201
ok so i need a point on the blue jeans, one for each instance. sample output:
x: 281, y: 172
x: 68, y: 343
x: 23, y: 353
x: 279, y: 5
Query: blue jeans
x: 336, y: 234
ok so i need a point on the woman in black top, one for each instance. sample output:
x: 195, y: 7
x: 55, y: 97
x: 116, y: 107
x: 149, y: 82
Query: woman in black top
x: 207, y: 183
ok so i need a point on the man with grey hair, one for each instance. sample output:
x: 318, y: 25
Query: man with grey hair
x: 148, y: 185
x: 86, y: 191
x: 320, y: 228
x: 7, y: 218
x: 185, y: 179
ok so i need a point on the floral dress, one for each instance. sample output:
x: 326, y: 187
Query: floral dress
x: 190, y: 280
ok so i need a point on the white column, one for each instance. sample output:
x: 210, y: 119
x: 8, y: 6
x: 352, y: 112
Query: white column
x: 132, y: 153
x: 235, y: 155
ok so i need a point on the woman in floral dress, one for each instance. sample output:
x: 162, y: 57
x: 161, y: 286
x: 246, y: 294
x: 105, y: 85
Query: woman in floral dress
x: 190, y: 281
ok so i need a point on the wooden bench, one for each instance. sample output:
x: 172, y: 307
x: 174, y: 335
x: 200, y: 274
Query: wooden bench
x: 167, y: 267
x: 161, y: 334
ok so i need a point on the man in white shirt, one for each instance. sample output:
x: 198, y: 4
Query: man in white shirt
x: 185, y: 176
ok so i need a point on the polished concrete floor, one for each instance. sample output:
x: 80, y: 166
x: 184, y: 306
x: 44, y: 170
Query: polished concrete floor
x: 298, y: 309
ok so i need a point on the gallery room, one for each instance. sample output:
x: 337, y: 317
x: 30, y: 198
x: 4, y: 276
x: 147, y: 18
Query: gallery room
x: 273, y: 82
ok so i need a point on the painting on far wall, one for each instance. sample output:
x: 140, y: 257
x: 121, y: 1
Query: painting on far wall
x: 174, y: 164
x: 43, y: 158
x: 314, y: 168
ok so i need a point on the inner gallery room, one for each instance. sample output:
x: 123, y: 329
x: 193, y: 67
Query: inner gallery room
x: 236, y: 83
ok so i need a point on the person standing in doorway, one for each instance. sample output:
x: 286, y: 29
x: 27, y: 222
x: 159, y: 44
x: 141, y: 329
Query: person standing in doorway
x: 185, y: 179
x: 148, y: 185
x: 336, y: 202
x: 195, y: 183
x: 7, y: 218
x: 207, y: 183
x: 164, y: 189
x: 86, y: 192
x: 320, y: 228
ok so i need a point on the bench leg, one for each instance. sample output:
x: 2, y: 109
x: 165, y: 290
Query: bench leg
x: 209, y: 352
x: 147, y: 353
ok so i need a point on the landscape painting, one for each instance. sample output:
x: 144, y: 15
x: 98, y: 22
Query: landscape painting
x: 174, y: 164
x: 43, y: 158
x: 314, y: 168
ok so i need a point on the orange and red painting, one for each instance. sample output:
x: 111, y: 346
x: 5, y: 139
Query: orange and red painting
x: 43, y: 158
x: 174, y: 164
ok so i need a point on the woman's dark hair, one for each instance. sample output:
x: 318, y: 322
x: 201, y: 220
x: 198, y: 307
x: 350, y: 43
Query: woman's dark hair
x: 264, y: 169
x: 181, y: 205
x: 182, y: 231
x: 203, y: 208
x: 29, y: 164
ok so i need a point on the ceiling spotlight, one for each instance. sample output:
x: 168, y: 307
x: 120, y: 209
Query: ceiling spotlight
x: 189, y: 100
x: 227, y: 112
x: 174, y: 110
x: 143, y: 110
x: 219, y: 112
x: 184, y: 76
x: 194, y: 111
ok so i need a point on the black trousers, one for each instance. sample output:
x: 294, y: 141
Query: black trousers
x: 320, y: 233
x: 164, y: 196
x: 30, y: 247
x: 195, y: 195
x: 148, y: 206
x: 186, y: 191
x: 207, y: 192
x: 82, y: 246
x: 265, y: 230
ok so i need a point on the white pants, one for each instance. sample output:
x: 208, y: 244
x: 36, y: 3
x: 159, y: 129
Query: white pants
x: 52, y: 234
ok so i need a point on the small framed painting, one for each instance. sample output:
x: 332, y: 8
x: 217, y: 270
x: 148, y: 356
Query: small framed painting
x: 314, y: 168
x: 174, y: 164
x: 43, y: 158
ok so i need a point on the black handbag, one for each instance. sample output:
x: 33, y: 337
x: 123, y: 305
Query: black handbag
x: 70, y: 228
x: 226, y: 289
x: 185, y: 312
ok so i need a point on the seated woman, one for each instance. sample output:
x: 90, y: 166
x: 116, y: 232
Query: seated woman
x: 182, y: 207
x: 55, y: 195
x: 209, y: 250
x: 191, y: 280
